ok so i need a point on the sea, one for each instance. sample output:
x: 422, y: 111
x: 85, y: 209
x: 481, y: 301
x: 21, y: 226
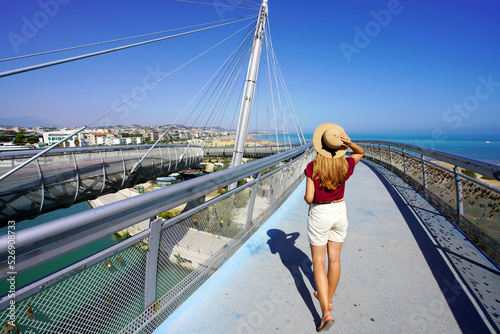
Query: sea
x: 485, y: 147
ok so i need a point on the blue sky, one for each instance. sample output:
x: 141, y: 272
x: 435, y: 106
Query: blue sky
x: 427, y: 67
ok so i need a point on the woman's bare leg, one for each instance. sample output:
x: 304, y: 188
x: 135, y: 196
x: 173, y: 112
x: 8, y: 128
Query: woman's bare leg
x: 320, y: 277
x: 334, y: 249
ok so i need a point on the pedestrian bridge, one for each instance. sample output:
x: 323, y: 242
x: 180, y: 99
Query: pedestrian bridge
x: 239, y: 261
x: 405, y: 269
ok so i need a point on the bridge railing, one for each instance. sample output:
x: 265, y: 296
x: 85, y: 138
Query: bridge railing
x: 250, y: 151
x: 473, y: 205
x: 132, y: 286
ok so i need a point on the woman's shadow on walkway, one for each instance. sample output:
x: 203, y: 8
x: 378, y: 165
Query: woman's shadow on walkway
x: 297, y: 262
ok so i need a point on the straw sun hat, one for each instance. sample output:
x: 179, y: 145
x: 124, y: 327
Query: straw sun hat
x: 326, y: 140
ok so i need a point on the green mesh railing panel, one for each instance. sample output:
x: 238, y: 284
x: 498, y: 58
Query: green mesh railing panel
x: 99, y: 299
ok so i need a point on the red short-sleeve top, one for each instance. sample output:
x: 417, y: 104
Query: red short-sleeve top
x: 322, y: 195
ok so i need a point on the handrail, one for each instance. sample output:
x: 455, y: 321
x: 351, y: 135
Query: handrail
x: 55, y: 151
x: 59, y: 150
x: 482, y: 167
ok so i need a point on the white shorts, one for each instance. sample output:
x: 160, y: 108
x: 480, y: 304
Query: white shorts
x: 326, y: 222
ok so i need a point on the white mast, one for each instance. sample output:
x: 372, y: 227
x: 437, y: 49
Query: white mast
x: 251, y: 80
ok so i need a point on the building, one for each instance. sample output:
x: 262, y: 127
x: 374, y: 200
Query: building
x: 119, y: 141
x: 135, y: 140
x: 52, y: 137
x: 151, y: 135
x: 101, y: 138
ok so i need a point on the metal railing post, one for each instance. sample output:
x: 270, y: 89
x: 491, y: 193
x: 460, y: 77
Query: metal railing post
x: 124, y: 169
x: 458, y: 190
x: 42, y: 195
x: 380, y: 152
x: 103, y: 172
x: 77, y: 174
x: 404, y: 161
x: 424, y: 178
x: 390, y: 156
x: 252, y: 200
x: 152, y: 262
x: 162, y: 160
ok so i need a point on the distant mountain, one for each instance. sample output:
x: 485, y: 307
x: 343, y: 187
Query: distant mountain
x: 28, y: 122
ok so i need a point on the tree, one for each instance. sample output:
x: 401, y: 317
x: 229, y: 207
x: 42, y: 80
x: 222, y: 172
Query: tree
x: 166, y: 215
x: 469, y: 173
x: 33, y: 139
x: 20, y: 139
x: 4, y: 139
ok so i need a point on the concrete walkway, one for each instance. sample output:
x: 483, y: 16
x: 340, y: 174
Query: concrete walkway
x: 405, y: 269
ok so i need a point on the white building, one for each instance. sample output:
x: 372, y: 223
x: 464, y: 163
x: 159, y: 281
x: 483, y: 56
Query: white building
x: 119, y: 141
x: 52, y: 137
x: 135, y: 140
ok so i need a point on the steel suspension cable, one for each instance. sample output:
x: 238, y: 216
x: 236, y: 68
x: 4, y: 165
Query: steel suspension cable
x: 280, y: 77
x: 250, y: 33
x: 270, y: 87
x: 115, y: 40
x: 211, y: 4
x: 98, y: 53
x: 111, y: 110
x: 246, y: 2
x: 220, y: 104
x: 298, y: 128
x: 280, y: 106
x: 232, y: 77
x: 212, y: 80
x: 134, y: 168
x: 219, y: 80
x: 220, y: 108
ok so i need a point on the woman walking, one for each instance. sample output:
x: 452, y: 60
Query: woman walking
x: 327, y: 219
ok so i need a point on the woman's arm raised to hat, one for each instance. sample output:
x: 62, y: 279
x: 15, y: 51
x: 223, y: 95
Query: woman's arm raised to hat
x: 357, y: 151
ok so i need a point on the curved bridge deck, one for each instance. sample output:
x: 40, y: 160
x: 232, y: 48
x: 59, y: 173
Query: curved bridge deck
x: 405, y: 269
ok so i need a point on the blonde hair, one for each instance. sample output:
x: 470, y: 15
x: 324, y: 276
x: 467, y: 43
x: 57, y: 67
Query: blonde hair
x: 331, y: 173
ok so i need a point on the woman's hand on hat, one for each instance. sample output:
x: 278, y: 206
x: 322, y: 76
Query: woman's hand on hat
x: 345, y: 139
